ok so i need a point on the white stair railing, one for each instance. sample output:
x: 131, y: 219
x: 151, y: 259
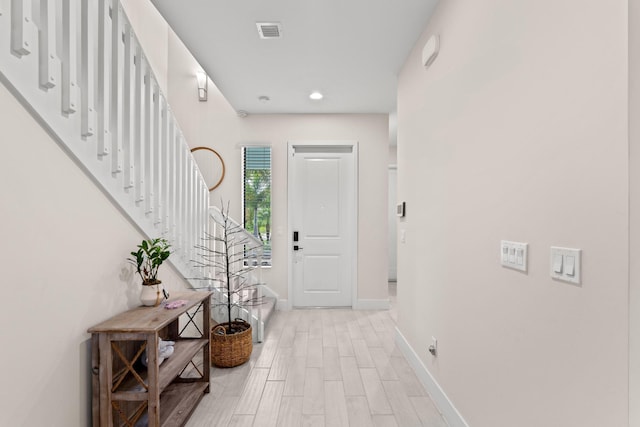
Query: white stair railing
x: 79, y: 68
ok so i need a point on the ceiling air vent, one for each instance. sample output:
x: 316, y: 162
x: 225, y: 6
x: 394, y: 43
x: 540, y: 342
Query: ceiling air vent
x: 269, y: 30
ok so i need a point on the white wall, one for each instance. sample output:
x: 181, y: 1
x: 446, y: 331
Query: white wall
x: 215, y: 124
x: 518, y: 131
x: 63, y: 270
x: 634, y: 210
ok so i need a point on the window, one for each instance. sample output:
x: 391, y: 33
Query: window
x: 256, y: 195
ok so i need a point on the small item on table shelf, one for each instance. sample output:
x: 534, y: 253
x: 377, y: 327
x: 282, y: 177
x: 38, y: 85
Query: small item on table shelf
x: 165, y: 349
x: 175, y: 304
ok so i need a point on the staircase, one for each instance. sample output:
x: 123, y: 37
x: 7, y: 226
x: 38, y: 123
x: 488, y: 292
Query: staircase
x: 251, y: 298
x: 81, y: 71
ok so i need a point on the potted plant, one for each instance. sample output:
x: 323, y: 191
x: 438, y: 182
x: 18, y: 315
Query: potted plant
x: 147, y: 260
x: 225, y: 252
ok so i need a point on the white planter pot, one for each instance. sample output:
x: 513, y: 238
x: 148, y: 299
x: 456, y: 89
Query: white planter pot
x: 151, y: 296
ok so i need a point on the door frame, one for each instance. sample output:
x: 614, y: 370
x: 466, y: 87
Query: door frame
x: 353, y: 217
x: 393, y: 223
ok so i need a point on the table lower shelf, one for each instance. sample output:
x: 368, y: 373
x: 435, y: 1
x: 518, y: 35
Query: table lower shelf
x: 177, y: 403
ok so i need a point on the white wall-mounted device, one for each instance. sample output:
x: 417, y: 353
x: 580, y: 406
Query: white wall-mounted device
x: 513, y: 255
x: 400, y: 209
x: 430, y: 50
x: 565, y: 264
x: 203, y: 81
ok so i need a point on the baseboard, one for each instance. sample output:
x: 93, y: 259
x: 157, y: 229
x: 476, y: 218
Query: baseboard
x: 362, y: 304
x: 442, y: 402
x: 371, y: 304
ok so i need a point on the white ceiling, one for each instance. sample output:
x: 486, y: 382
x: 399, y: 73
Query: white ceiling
x: 350, y: 50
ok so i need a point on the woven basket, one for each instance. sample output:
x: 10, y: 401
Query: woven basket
x: 228, y: 351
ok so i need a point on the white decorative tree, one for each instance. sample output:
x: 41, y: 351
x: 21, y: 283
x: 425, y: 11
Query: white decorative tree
x: 228, y: 255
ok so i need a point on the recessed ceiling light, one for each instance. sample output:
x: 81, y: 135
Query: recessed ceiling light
x: 316, y: 96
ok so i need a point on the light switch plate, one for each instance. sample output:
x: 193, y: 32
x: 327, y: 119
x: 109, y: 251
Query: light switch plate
x: 513, y: 255
x: 571, y: 264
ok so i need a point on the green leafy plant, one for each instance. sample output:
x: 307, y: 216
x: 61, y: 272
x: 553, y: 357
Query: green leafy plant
x: 148, y: 258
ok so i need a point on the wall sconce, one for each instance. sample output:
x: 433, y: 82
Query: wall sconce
x: 202, y: 85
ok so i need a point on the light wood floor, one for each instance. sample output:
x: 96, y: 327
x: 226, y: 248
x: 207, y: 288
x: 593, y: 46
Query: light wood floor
x: 321, y: 367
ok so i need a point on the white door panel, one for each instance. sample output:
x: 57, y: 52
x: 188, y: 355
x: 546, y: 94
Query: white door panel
x: 321, y: 207
x: 321, y: 273
x: 323, y: 212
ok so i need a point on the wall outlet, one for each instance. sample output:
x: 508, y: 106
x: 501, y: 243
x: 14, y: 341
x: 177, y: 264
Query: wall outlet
x: 433, y: 348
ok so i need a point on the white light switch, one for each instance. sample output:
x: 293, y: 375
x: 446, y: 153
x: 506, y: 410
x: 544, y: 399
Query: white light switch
x: 557, y: 264
x: 571, y: 266
x: 565, y: 264
x: 513, y: 255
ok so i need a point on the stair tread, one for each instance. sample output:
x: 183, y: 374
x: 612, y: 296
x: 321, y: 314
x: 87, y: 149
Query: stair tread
x: 268, y: 307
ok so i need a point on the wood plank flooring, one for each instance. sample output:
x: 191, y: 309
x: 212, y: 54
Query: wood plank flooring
x: 320, y: 367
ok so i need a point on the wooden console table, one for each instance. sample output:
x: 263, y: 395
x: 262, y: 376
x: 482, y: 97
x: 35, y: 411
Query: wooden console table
x: 124, y: 391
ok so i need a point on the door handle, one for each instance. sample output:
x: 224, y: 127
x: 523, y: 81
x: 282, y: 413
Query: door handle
x: 297, y: 248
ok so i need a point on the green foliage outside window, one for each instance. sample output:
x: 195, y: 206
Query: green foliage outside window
x: 257, y: 196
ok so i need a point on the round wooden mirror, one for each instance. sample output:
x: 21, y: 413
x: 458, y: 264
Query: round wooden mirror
x: 210, y: 164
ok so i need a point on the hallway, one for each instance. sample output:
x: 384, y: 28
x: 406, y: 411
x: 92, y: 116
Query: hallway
x: 321, y: 367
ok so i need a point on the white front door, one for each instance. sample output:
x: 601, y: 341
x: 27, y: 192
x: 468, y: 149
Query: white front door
x: 322, y: 201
